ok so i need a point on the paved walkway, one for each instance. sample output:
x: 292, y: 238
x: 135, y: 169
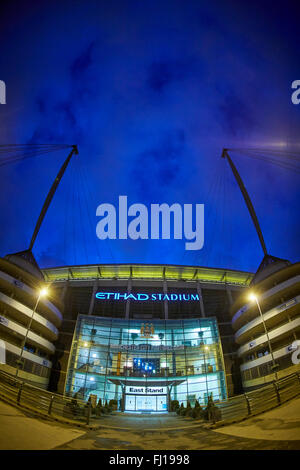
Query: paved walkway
x: 276, y: 429
x: 282, y: 423
x: 21, y: 432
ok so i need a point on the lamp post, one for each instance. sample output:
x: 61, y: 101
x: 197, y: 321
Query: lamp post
x: 42, y: 293
x: 254, y: 298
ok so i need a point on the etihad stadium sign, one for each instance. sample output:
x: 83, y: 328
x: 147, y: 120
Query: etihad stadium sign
x: 144, y: 296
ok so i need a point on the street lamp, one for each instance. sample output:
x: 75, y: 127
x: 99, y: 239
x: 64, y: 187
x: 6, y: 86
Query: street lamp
x: 254, y: 298
x: 42, y: 293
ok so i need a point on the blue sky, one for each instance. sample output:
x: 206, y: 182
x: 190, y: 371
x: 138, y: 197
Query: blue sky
x: 150, y: 92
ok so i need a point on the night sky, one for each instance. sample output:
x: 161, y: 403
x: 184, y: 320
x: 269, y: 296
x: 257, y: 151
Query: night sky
x: 151, y: 92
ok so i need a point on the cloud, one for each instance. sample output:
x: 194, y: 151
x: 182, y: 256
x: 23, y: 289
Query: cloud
x: 235, y: 115
x: 156, y: 169
x: 83, y: 61
x: 163, y: 73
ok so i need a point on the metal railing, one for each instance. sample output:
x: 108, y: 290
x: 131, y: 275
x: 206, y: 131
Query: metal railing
x: 46, y: 403
x: 260, y: 400
x: 58, y: 406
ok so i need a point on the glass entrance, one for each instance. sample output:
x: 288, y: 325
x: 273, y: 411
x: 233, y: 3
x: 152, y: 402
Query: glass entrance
x: 146, y: 403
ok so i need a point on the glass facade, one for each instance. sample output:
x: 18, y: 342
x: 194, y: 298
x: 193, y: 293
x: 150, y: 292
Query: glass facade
x: 144, y: 365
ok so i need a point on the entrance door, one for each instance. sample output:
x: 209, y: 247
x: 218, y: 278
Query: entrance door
x: 146, y: 403
x: 161, y: 403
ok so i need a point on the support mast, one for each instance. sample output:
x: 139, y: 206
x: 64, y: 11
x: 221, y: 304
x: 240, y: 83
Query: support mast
x: 51, y: 194
x: 247, y: 199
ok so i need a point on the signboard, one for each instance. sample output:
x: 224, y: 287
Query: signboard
x: 144, y: 296
x: 4, y: 321
x: 147, y: 330
x: 145, y: 347
x: 129, y: 390
x: 18, y: 283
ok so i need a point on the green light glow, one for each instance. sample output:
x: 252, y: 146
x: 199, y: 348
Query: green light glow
x: 157, y: 272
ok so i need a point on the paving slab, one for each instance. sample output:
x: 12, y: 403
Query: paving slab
x: 21, y: 432
x: 281, y: 423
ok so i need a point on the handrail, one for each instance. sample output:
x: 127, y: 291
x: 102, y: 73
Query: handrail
x: 235, y: 408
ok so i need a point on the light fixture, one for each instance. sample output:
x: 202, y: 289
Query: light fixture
x: 252, y: 297
x: 44, y: 292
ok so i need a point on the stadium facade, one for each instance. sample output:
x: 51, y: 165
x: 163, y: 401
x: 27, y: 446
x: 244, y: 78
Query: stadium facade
x: 144, y: 335
x: 129, y: 329
x: 267, y: 340
x: 28, y: 328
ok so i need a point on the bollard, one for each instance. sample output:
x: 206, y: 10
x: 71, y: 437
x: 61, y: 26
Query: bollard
x: 50, y: 405
x: 20, y: 392
x: 248, y: 404
x: 277, y: 392
x: 88, y: 416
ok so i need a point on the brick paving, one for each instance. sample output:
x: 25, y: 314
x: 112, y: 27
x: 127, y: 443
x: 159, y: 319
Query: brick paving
x: 168, y: 432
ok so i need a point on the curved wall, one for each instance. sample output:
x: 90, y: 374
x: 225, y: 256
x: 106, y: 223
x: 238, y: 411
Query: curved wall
x: 279, y: 299
x: 18, y: 296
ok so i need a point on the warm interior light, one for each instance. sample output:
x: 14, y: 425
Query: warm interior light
x: 252, y: 297
x: 43, y: 292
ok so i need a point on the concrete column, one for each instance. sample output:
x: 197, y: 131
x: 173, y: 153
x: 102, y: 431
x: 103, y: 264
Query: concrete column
x: 129, y: 288
x: 64, y: 291
x: 92, y: 302
x: 165, y: 289
x: 199, y: 292
x: 229, y: 295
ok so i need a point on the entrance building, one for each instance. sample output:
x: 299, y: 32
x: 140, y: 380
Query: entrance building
x: 143, y: 366
x: 146, y: 399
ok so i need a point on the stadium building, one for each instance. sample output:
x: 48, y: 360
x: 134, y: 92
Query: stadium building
x: 268, y: 328
x: 29, y: 324
x: 146, y: 334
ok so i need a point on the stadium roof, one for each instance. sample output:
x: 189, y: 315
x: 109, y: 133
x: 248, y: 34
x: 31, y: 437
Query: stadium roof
x: 147, y: 271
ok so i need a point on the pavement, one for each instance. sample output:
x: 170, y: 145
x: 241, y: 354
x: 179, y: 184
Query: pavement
x: 18, y: 431
x: 281, y: 423
x: 278, y: 429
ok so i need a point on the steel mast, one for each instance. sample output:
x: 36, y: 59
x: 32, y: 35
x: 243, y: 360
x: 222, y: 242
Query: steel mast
x: 247, y: 200
x: 51, y: 194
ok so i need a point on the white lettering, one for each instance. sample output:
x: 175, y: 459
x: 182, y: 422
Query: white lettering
x: 165, y: 211
x: 296, y: 94
x: 108, y: 221
x: 2, y: 92
x: 140, y: 221
x: 160, y: 222
x: 198, y: 234
x: 2, y: 352
x: 296, y: 354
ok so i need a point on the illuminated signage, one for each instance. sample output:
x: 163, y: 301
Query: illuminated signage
x: 147, y: 331
x: 145, y: 347
x: 146, y: 390
x: 143, y: 296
